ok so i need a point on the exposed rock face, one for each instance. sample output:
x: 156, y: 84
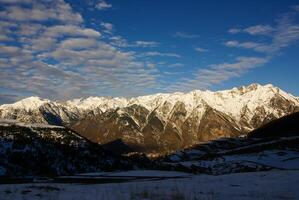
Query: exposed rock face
x: 215, y: 124
x: 161, y: 122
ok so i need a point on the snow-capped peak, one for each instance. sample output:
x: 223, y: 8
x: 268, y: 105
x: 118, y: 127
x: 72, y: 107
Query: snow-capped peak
x: 103, y: 103
x: 28, y: 104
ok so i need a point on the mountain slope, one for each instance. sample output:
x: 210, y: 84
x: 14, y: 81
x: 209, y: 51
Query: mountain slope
x: 161, y: 122
x: 45, y: 150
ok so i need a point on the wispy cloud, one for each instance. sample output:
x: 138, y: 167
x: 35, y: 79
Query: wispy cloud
x: 253, y: 30
x: 103, y: 5
x: 234, y: 30
x: 185, y: 35
x: 108, y: 27
x: 176, y: 65
x: 201, y: 50
x: 141, y: 43
x: 215, y: 74
x: 282, y: 35
x: 259, y: 47
x: 119, y: 41
x: 163, y: 54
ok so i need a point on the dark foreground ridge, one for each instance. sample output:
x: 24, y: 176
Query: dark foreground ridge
x: 283, y: 127
x: 52, y: 151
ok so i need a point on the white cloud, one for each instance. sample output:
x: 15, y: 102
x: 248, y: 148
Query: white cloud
x: 185, y: 35
x: 9, y: 50
x: 107, y: 26
x: 30, y: 29
x: 259, y: 30
x: 215, y: 74
x: 40, y: 12
x: 41, y: 44
x: 103, y: 5
x: 118, y: 41
x: 71, y: 30
x: 121, y: 42
x: 175, y: 65
x: 156, y: 53
x: 141, y: 43
x: 234, y: 30
x: 4, y: 38
x: 259, y: 47
x: 253, y: 30
x: 78, y: 43
x: 200, y: 50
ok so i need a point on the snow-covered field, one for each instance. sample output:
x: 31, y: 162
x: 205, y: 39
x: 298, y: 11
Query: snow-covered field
x: 282, y: 159
x: 256, y: 185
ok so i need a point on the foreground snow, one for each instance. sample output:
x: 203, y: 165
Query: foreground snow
x: 255, y: 185
x: 140, y: 173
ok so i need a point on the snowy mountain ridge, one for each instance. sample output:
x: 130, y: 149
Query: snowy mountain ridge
x: 227, y: 101
x: 163, y: 119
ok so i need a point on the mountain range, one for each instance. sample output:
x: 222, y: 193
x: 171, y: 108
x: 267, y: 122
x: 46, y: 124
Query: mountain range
x: 160, y: 122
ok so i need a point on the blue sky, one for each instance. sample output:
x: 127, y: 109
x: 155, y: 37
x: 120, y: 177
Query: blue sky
x: 64, y: 49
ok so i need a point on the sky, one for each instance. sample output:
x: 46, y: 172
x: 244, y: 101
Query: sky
x: 63, y: 49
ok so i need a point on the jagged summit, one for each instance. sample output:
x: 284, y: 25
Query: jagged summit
x: 228, y: 101
x: 92, y: 102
